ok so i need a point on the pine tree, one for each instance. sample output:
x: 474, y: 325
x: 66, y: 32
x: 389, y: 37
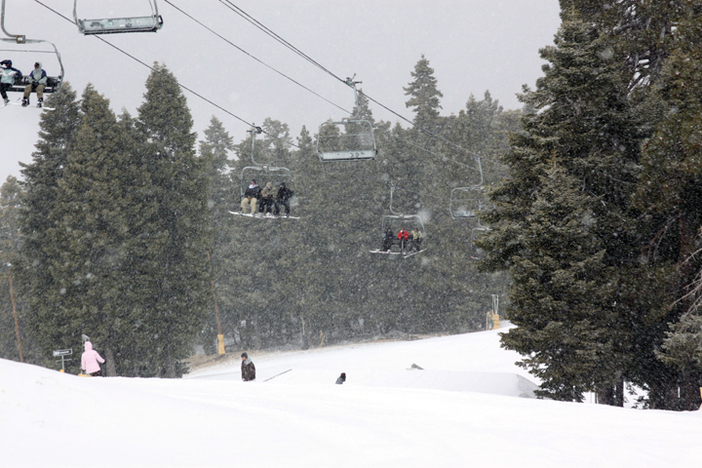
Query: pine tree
x: 580, y: 115
x: 38, y: 219
x: 424, y: 96
x: 223, y: 197
x: 178, y: 286
x: 670, y: 196
x: 10, y: 235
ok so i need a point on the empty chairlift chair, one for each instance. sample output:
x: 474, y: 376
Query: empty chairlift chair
x: 126, y: 24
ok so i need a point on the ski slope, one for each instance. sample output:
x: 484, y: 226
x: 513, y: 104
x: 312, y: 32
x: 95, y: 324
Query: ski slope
x: 468, y: 407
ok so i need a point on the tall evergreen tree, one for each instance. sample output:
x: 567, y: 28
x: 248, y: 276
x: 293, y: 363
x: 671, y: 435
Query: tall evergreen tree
x: 179, y: 286
x: 582, y: 117
x: 424, y: 96
x: 223, y: 197
x: 670, y: 195
x: 38, y: 219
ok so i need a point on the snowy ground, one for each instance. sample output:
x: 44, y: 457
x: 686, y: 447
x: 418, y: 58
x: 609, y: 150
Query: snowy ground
x: 462, y: 410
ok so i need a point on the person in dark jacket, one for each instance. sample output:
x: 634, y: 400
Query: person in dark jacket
x: 387, y: 240
x: 341, y: 379
x: 283, y: 198
x: 248, y: 370
x: 251, y: 196
x: 267, y: 200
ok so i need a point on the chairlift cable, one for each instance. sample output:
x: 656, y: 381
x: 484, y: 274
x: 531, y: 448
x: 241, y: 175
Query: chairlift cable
x: 196, y: 94
x: 254, y: 57
x: 347, y: 82
x: 278, y: 38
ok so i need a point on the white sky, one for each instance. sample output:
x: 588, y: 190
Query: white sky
x: 473, y: 46
x: 461, y: 411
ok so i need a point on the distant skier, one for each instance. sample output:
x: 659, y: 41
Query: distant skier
x: 8, y: 77
x: 90, y: 360
x: 341, y: 379
x: 248, y: 370
x: 37, y: 83
x: 283, y: 198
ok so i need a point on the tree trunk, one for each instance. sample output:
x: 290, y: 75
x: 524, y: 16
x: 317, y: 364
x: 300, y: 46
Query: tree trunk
x: 110, y: 367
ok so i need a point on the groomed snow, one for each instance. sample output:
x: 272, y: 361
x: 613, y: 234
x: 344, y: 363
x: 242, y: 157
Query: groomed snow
x: 462, y: 410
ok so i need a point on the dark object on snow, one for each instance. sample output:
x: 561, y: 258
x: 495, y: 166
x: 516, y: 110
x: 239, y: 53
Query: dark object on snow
x: 341, y: 379
x: 415, y: 366
x: 248, y: 370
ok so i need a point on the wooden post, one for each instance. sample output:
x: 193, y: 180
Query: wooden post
x: 220, y: 335
x: 14, y: 311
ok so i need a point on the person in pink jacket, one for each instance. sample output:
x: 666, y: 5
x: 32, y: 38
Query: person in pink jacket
x: 90, y: 361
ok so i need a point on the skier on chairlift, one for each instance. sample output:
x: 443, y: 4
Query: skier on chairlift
x: 283, y: 198
x: 387, y: 240
x: 8, y: 77
x: 403, y: 237
x: 251, y: 198
x: 38, y: 80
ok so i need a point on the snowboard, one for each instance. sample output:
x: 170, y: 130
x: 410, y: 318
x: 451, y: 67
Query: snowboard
x: 265, y: 216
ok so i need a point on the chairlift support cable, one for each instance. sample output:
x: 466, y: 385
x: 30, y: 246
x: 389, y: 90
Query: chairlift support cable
x: 254, y: 57
x: 297, y: 51
x: 196, y: 94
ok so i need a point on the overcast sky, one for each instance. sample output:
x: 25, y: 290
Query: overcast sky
x: 472, y: 45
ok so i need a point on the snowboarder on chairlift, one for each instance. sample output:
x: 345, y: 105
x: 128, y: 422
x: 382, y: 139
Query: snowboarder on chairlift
x: 416, y: 242
x: 387, y: 240
x: 38, y: 80
x: 283, y: 198
x: 251, y: 197
x: 267, y: 200
x: 403, y: 237
x: 8, y: 77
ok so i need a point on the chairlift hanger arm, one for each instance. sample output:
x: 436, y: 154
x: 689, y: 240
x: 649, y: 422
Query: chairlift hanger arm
x: 18, y: 38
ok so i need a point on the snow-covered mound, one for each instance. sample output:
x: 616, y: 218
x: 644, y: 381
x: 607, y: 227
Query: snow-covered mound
x: 302, y: 419
x: 463, y: 363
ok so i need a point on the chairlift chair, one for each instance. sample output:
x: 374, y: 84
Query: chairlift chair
x: 395, y: 221
x: 34, y: 47
x: 263, y: 174
x: 351, y: 139
x: 346, y: 140
x: 475, y: 233
x: 132, y: 24
x: 467, y: 202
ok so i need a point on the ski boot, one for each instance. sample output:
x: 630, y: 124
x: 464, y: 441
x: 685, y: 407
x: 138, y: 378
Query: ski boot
x: 41, y: 102
x: 7, y: 101
x: 25, y: 102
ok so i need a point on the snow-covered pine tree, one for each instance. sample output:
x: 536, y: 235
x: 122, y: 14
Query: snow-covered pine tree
x: 177, y: 293
x: 670, y: 196
x: 580, y: 115
x: 38, y: 217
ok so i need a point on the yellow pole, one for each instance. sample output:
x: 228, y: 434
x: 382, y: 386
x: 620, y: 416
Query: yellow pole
x: 220, y: 335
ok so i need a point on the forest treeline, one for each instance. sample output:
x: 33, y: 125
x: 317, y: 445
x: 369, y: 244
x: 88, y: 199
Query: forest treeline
x: 599, y: 222
x: 589, y: 222
x: 121, y: 230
